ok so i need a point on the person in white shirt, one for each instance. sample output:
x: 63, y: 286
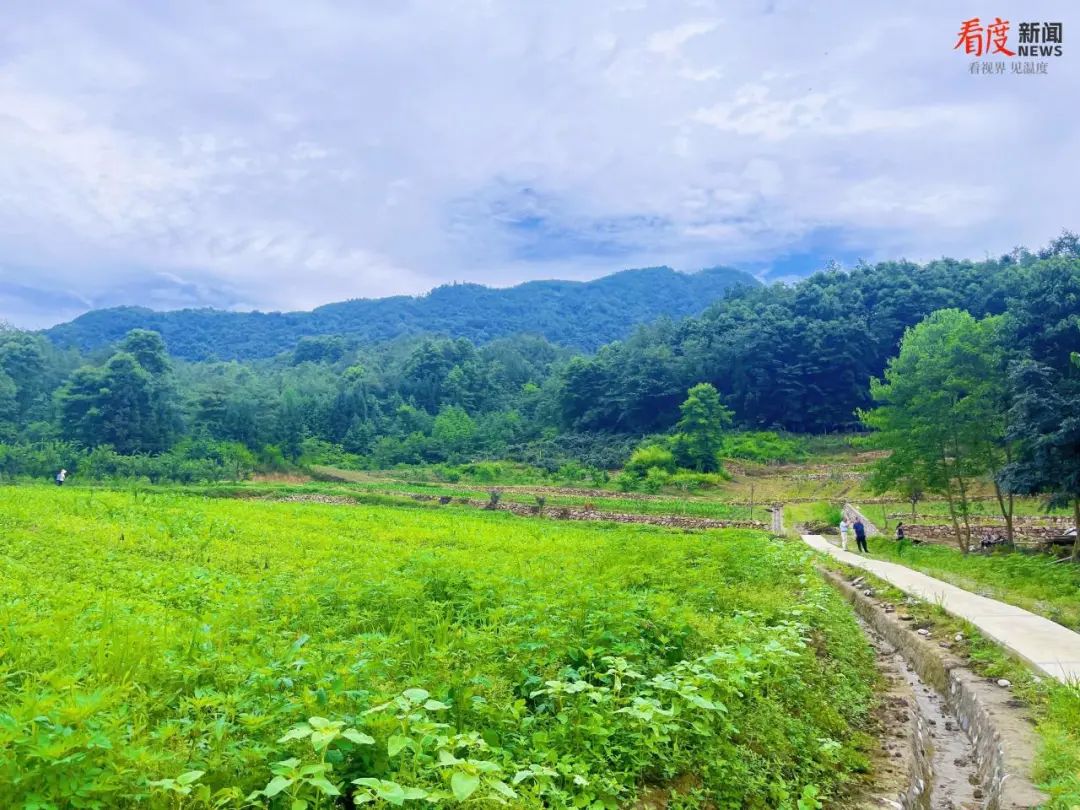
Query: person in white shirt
x: 60, y: 477
x: 843, y: 533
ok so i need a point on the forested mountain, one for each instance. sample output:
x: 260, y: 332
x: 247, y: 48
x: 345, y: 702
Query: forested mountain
x: 581, y: 315
x: 792, y: 357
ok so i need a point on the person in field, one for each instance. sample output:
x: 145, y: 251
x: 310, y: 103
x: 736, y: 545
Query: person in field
x: 860, y: 535
x: 900, y: 533
x: 61, y: 477
x: 843, y: 532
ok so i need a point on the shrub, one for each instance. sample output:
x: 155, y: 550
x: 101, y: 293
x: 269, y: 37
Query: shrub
x: 693, y: 481
x: 649, y: 457
x: 655, y: 479
x: 571, y: 472
x: 485, y: 471
x: 764, y: 447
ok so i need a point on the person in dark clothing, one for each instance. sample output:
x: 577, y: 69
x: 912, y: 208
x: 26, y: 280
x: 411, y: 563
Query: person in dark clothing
x: 860, y: 535
x: 900, y: 532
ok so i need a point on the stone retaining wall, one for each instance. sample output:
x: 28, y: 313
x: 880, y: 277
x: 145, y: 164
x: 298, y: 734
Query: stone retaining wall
x: 944, y: 533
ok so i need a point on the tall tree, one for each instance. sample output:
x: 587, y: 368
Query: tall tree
x: 1045, y: 422
x: 700, y: 435
x: 124, y: 403
x: 942, y: 412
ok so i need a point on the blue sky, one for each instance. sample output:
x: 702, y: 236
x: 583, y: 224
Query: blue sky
x: 281, y: 155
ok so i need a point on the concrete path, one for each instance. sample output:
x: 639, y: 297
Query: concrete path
x: 1046, y: 645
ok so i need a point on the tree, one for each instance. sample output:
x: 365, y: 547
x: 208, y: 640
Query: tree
x: 942, y: 413
x: 1045, y: 422
x: 129, y: 403
x: 320, y: 349
x: 9, y: 406
x: 452, y: 432
x: 23, y: 360
x: 700, y: 435
x: 291, y: 428
x: 148, y: 349
x: 112, y: 405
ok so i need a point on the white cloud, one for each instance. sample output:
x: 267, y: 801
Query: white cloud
x: 669, y: 43
x: 283, y: 155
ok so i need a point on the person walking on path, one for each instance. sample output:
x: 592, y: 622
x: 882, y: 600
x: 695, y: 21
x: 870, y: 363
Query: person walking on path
x: 843, y: 532
x: 860, y: 535
x: 61, y: 477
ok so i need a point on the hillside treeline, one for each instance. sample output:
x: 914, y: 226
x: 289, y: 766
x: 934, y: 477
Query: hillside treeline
x: 581, y: 315
x: 795, y: 357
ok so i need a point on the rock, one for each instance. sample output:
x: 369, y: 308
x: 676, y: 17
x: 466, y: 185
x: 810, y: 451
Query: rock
x: 977, y: 793
x: 868, y: 592
x: 1004, y: 683
x: 923, y: 631
x: 945, y: 645
x: 958, y: 637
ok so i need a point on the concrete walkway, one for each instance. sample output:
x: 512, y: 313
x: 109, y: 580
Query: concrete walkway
x: 1045, y: 645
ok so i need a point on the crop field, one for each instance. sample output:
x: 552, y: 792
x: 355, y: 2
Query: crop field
x: 167, y: 650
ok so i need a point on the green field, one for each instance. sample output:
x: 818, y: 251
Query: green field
x: 166, y: 650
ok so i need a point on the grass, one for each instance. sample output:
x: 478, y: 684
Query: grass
x: 814, y: 513
x: 1054, y: 706
x: 164, y: 649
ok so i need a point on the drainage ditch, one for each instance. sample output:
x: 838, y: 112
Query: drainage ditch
x: 966, y: 746
x: 940, y: 759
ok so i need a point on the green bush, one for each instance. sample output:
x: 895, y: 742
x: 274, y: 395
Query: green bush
x: 484, y: 471
x: 626, y: 481
x: 598, y: 477
x: 692, y: 481
x: 655, y: 479
x: 648, y: 457
x: 764, y: 447
x: 571, y: 472
x: 190, y: 461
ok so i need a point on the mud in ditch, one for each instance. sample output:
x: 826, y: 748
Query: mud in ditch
x: 995, y: 768
x: 942, y: 768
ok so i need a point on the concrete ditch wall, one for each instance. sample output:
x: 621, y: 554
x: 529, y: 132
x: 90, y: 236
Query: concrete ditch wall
x: 1004, y: 739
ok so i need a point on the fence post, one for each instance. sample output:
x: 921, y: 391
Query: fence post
x: 778, y: 519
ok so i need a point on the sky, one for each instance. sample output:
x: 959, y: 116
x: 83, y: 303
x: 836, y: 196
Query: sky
x: 280, y: 155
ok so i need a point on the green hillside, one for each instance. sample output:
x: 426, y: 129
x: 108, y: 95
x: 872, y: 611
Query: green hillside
x: 581, y: 315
